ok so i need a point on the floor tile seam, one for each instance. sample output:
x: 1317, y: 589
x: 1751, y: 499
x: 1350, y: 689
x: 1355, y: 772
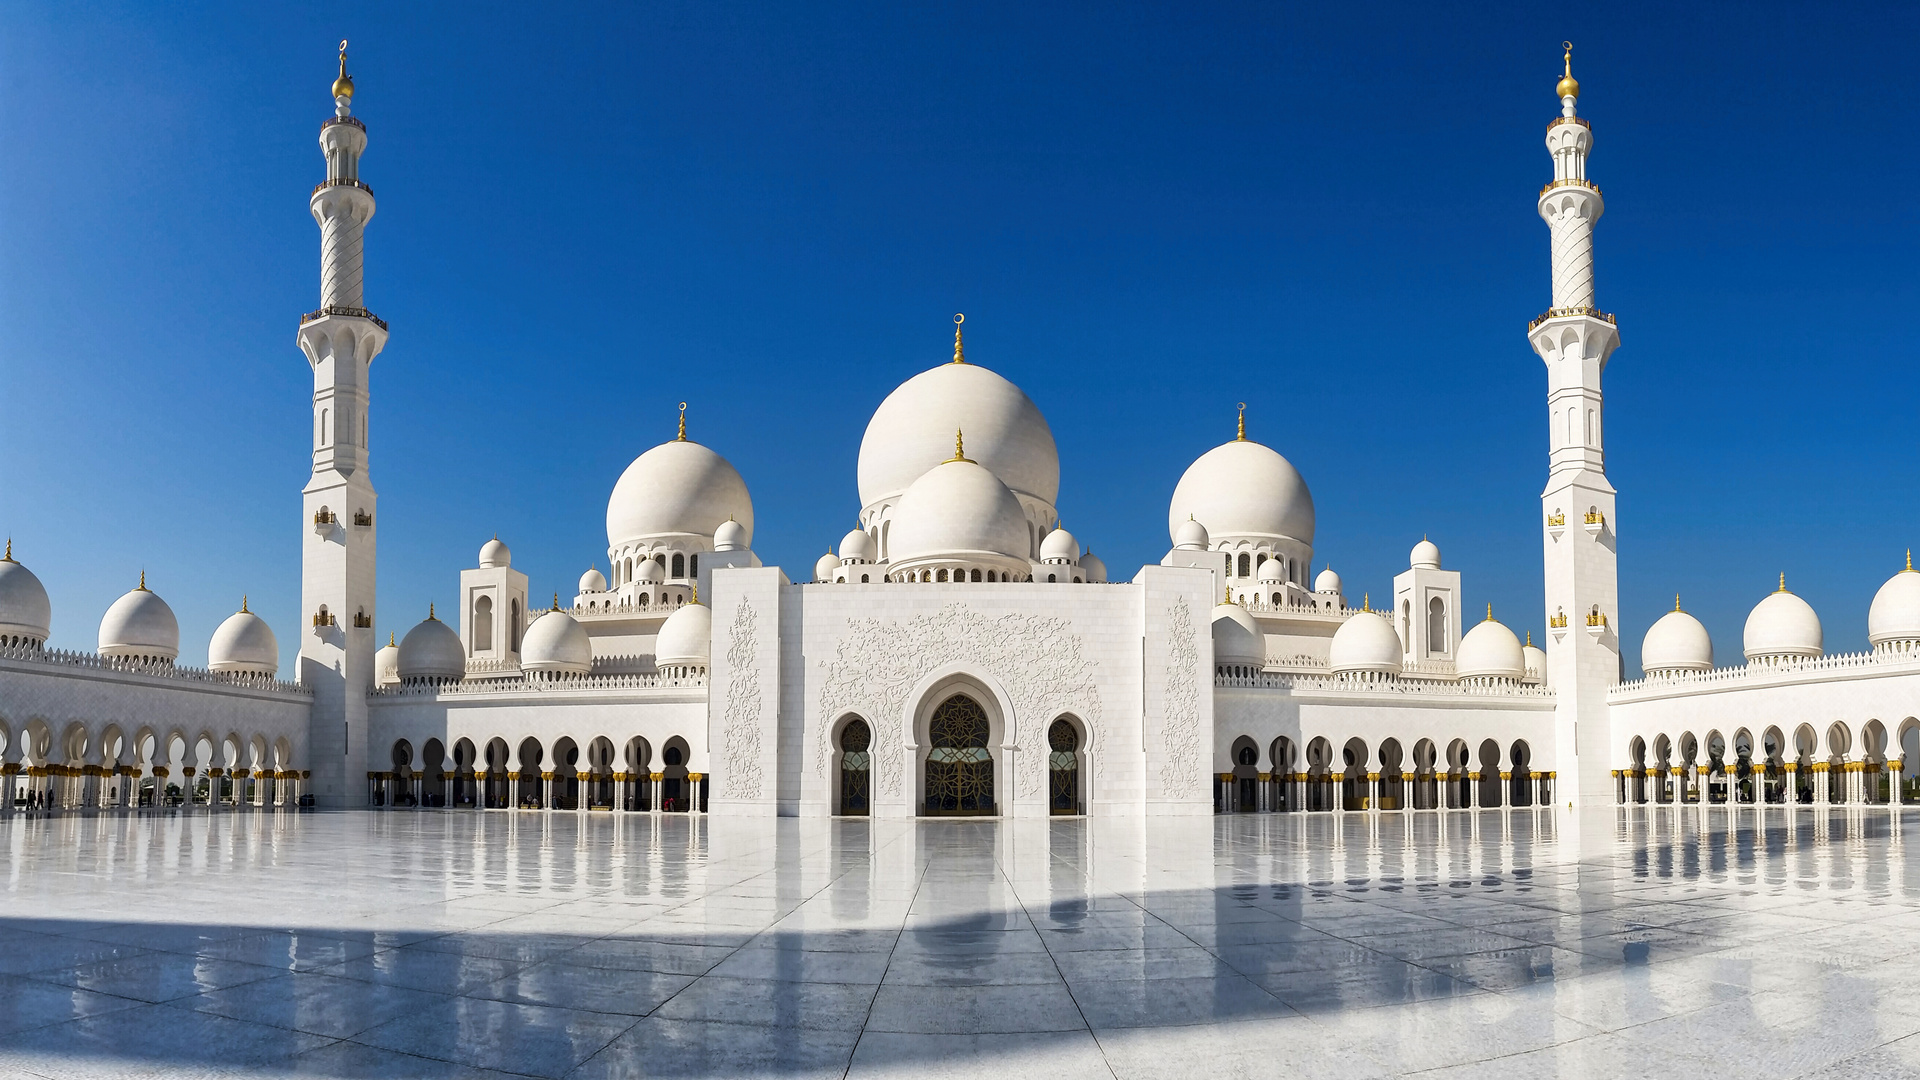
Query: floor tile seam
x: 1080, y: 1010
x: 866, y: 1018
x: 351, y: 1041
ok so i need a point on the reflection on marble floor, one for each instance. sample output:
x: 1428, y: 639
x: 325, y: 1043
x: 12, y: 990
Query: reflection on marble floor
x: 1770, y: 941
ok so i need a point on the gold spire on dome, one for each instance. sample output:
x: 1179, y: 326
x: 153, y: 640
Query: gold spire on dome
x: 243, y: 605
x: 390, y: 643
x: 1676, y: 601
x: 1909, y: 556
x: 696, y: 591
x: 556, y: 601
x: 430, y: 615
x: 683, y: 422
x: 1783, y: 581
x: 959, y: 355
x: 1569, y: 86
x: 1242, y: 437
x: 1529, y: 639
x: 143, y: 582
x: 1228, y: 598
x: 8, y: 557
x: 1366, y: 601
x: 1489, y: 612
x: 343, y: 86
x: 959, y: 448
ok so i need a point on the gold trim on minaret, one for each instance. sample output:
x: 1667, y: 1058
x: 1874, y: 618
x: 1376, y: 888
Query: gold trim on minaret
x: 683, y: 423
x: 343, y: 86
x: 243, y: 605
x: 1569, y: 87
x: 1242, y: 436
x: 959, y: 355
x: 959, y: 448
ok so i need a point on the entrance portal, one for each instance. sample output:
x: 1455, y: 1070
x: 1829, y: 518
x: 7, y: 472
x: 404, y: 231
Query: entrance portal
x: 959, y: 765
x: 1063, y: 768
x: 856, y: 767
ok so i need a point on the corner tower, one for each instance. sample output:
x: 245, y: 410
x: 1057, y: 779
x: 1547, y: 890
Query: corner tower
x: 340, y: 341
x: 1575, y: 338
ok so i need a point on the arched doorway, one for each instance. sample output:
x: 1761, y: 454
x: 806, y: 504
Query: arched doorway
x: 1490, y: 773
x: 1063, y: 769
x: 1391, y: 792
x: 433, y: 774
x: 1459, y: 776
x: 1284, y: 761
x: 1520, y: 788
x: 675, y: 792
x: 1426, y: 787
x: 498, y: 793
x: 1319, y: 774
x: 856, y: 769
x: 959, y: 765
x: 1239, y: 794
x: 1356, y: 786
x: 527, y: 793
x: 563, y: 790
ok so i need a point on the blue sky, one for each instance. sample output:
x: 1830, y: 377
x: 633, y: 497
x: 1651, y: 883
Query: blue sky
x: 1147, y: 213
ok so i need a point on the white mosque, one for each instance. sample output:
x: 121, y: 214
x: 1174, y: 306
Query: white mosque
x: 958, y: 652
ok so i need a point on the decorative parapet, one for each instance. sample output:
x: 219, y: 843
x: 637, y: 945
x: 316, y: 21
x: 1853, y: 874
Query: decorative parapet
x: 1839, y: 667
x: 600, y: 681
x: 1588, y: 184
x: 353, y: 312
x: 61, y: 659
x: 1398, y: 687
x: 1563, y: 312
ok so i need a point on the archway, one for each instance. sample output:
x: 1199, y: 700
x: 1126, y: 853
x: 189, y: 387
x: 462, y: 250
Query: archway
x: 676, y: 792
x: 1063, y: 769
x: 1319, y: 774
x: 1459, y: 775
x: 640, y: 785
x: 1637, y: 776
x: 1717, y: 786
x: 1392, y: 789
x: 1521, y: 787
x: 498, y: 793
x: 1426, y: 783
x: 527, y: 794
x: 400, y: 783
x: 600, y: 792
x: 1909, y: 760
x: 1662, y: 769
x: 959, y: 776
x: 1489, y: 773
x: 465, y: 790
x: 1689, y: 768
x: 1285, y: 761
x: 1740, y: 772
x: 1873, y: 763
x: 1839, y: 743
x: 856, y: 769
x: 1240, y: 794
x: 1355, y: 784
x: 1773, y: 775
x: 563, y: 791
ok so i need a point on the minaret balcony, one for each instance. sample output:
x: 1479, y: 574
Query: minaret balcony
x: 1559, y: 120
x: 1596, y: 523
x: 363, y: 313
x: 1556, y: 524
x: 1551, y: 184
x: 1567, y: 312
x: 352, y: 121
x: 362, y: 519
x: 341, y: 181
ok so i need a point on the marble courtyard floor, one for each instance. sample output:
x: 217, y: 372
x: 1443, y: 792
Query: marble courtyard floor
x: 1651, y: 941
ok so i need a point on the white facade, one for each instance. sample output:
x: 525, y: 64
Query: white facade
x: 960, y: 652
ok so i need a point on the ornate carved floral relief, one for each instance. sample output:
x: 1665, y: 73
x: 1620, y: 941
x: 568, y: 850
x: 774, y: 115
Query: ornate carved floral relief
x: 740, y: 724
x: 1040, y: 661
x: 1180, y: 731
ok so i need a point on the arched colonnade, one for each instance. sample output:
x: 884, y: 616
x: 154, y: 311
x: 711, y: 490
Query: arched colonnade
x: 594, y: 773
x: 1814, y: 763
x: 1286, y: 777
x: 80, y: 765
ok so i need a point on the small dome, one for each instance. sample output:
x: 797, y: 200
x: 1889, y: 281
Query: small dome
x: 1237, y: 638
x: 24, y: 609
x: 1676, y: 642
x: 649, y: 572
x: 1782, y: 625
x: 825, y: 565
x: 1190, y: 535
x: 1243, y: 488
x: 593, y: 581
x: 1059, y: 546
x: 1093, y: 567
x: 1490, y: 651
x: 958, y: 509
x: 1271, y: 572
x: 856, y: 546
x: 730, y: 536
x: 556, y: 642
x: 1366, y: 642
x: 911, y: 433
x: 386, y: 664
x: 140, y: 624
x: 244, y: 643
x: 679, y: 488
x: 1894, y: 616
x: 686, y: 638
x: 1536, y: 658
x: 1327, y: 582
x: 432, y: 650
x: 495, y: 555
x: 1425, y: 556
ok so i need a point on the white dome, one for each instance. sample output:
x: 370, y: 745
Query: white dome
x: 1270, y: 572
x: 1782, y: 625
x: 685, y: 638
x: 386, y: 664
x: 556, y: 642
x: 593, y: 581
x: 1059, y: 546
x: 1365, y: 642
x: 912, y: 432
x: 676, y: 489
x: 1190, y: 535
x: 1243, y: 488
x: 730, y: 536
x: 856, y: 546
x: 432, y: 650
x: 648, y: 572
x: 24, y: 608
x: 1676, y: 642
x: 1536, y: 661
x: 1894, y: 616
x: 1490, y: 651
x: 244, y: 643
x: 1093, y: 567
x: 1425, y: 556
x: 140, y: 624
x: 1327, y: 582
x: 494, y: 554
x: 958, y: 510
x: 1237, y: 638
x: 825, y: 565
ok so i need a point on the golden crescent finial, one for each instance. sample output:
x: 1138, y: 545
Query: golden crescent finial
x: 343, y: 86
x: 683, y: 422
x: 1569, y: 86
x: 959, y: 354
x: 1243, y: 423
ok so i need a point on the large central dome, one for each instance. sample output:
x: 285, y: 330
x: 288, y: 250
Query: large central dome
x: 912, y: 432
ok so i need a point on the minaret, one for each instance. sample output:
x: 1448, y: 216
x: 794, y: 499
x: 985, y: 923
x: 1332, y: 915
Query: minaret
x: 1582, y: 581
x: 338, y: 524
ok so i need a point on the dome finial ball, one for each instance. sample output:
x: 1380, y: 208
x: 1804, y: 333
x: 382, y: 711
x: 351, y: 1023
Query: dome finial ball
x: 343, y: 86
x: 1569, y: 87
x: 959, y: 355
